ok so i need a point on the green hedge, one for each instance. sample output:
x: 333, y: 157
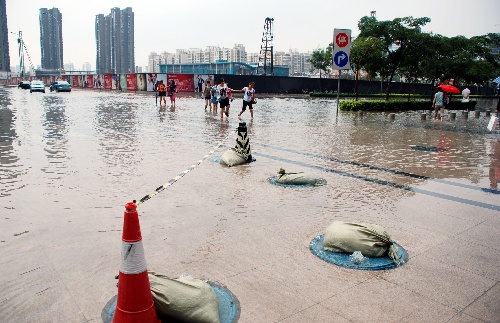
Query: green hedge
x: 400, y: 105
x: 392, y: 95
x: 374, y: 95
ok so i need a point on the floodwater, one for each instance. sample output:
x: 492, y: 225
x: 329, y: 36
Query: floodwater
x: 69, y: 147
x: 69, y: 162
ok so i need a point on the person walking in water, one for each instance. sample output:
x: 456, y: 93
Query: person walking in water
x: 437, y: 103
x: 172, y: 90
x: 162, y: 92
x: 214, y: 99
x: 207, y: 95
x: 223, y: 98
x: 248, y: 98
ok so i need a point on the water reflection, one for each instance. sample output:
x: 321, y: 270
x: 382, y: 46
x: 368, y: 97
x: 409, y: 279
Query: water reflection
x: 494, y: 173
x: 9, y: 161
x: 161, y: 113
x: 56, y: 127
x: 115, y: 123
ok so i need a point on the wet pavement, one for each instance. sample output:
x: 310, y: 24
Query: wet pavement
x: 69, y: 162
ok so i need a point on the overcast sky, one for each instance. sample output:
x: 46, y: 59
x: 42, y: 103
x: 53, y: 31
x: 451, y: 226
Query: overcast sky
x: 303, y: 25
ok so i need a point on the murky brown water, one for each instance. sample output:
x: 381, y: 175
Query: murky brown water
x: 98, y: 148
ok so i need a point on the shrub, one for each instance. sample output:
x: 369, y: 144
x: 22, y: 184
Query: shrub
x: 399, y: 105
x: 382, y: 105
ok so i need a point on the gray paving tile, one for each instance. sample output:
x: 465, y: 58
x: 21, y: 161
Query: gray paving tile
x: 377, y: 300
x: 438, y: 281
x: 487, y: 306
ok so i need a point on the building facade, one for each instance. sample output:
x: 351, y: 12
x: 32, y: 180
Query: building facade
x: 297, y: 64
x: 4, y: 39
x: 115, y: 51
x: 51, y: 42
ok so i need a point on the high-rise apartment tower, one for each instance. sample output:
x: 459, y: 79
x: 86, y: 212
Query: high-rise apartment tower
x: 114, y: 35
x: 4, y: 39
x: 51, y: 42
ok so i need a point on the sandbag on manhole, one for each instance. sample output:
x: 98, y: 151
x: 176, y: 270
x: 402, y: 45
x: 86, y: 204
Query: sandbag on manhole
x: 185, y: 298
x: 370, y: 239
x: 232, y: 158
x: 241, y: 153
x: 297, y: 178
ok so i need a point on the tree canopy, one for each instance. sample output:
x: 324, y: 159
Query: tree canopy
x: 400, y: 47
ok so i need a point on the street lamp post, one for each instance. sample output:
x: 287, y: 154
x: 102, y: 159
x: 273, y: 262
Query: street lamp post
x: 58, y: 42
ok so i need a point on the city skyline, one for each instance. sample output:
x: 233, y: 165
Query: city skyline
x: 160, y: 27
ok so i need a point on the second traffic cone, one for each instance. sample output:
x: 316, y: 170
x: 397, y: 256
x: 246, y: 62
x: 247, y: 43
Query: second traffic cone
x: 135, y: 301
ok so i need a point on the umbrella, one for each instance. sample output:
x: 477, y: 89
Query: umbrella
x: 449, y: 88
x: 497, y: 80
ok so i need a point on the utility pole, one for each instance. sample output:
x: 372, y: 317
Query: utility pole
x: 266, y: 49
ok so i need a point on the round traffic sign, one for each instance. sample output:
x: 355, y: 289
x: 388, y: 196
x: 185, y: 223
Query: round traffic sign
x: 342, y: 40
x: 341, y: 59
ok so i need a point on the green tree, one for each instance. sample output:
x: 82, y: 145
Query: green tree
x: 321, y: 60
x: 412, y: 63
x: 397, y: 36
x: 366, y: 54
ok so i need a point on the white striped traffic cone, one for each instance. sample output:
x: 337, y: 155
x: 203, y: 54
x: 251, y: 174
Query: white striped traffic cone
x: 135, y: 301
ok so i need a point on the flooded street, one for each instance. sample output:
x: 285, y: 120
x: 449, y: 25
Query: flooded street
x: 69, y: 162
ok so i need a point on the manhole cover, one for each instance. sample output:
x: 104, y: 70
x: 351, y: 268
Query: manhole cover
x: 229, y: 306
x: 342, y: 259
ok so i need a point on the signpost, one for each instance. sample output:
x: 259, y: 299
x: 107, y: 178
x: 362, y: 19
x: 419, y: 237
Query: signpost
x: 341, y: 54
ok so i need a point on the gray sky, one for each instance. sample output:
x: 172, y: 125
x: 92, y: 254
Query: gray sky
x: 170, y: 25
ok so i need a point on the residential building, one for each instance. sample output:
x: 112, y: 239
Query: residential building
x: 212, y: 59
x: 4, y: 39
x: 51, y: 42
x: 69, y: 67
x: 86, y: 67
x: 115, y: 41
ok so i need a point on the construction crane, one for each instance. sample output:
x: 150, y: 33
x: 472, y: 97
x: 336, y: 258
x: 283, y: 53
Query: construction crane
x: 22, y: 49
x: 266, y: 59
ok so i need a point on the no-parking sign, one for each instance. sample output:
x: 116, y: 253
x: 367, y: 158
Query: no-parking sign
x: 341, y: 49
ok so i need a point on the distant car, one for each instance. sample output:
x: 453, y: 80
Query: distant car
x: 25, y: 85
x: 37, y: 86
x: 60, y: 86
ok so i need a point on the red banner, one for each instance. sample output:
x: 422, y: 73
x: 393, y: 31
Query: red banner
x: 90, y: 81
x: 75, y: 81
x: 184, y: 82
x: 108, y: 81
x: 131, y: 82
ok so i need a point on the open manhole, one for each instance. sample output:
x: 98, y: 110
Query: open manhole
x: 320, y: 182
x: 425, y: 148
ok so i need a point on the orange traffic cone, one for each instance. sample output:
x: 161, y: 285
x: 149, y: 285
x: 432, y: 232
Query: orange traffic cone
x: 135, y: 301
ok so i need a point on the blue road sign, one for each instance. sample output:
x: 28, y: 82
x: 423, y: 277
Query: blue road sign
x: 341, y: 59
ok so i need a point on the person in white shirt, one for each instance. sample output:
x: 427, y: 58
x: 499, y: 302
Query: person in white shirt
x: 223, y: 98
x: 465, y: 95
x: 248, y: 98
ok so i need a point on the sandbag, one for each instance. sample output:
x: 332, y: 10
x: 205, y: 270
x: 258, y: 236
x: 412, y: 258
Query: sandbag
x: 370, y: 239
x: 232, y: 158
x: 186, y: 299
x: 296, y: 178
